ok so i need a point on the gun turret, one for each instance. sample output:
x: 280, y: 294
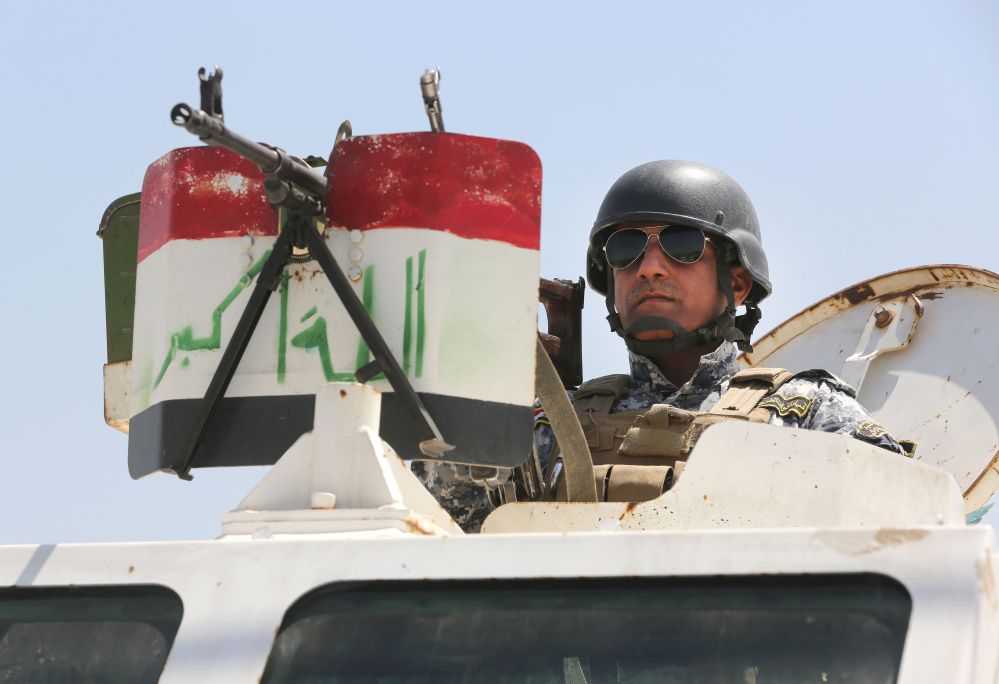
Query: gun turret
x: 412, y: 230
x: 283, y: 174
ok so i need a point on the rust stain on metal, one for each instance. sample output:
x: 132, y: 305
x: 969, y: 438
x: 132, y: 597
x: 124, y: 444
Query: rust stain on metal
x: 629, y: 509
x: 991, y: 466
x: 418, y: 525
x: 899, y: 294
x: 932, y: 295
x: 857, y: 293
x: 131, y: 569
x: 883, y: 317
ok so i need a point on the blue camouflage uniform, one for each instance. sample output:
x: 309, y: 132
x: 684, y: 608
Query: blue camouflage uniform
x: 833, y: 408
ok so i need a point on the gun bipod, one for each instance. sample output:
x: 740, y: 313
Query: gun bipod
x: 299, y: 231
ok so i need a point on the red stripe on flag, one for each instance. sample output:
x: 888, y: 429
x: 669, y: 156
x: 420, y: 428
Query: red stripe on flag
x: 202, y: 192
x: 465, y: 185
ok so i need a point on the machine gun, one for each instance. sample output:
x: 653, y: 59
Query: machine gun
x: 301, y: 192
x: 412, y: 233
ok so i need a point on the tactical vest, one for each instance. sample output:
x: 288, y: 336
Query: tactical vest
x: 638, y: 454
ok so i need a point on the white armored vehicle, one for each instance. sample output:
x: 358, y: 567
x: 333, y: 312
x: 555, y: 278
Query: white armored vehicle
x: 404, y: 326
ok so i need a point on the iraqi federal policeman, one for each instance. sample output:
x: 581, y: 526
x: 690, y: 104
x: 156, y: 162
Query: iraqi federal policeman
x: 676, y: 251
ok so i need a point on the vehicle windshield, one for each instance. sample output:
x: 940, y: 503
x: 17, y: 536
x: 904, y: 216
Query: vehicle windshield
x: 739, y: 630
x: 56, y: 635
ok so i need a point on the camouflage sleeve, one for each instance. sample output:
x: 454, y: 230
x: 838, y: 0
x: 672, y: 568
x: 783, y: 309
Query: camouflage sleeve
x: 450, y: 483
x: 464, y: 500
x: 817, y: 400
x: 544, y: 438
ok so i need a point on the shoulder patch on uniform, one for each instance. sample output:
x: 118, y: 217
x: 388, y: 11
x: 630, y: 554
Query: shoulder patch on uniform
x: 540, y: 418
x: 820, y: 374
x: 798, y: 404
x: 872, y: 430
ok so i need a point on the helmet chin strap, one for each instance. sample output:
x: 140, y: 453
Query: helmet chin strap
x: 726, y: 327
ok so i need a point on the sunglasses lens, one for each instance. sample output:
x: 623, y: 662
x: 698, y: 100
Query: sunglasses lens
x: 683, y: 243
x: 624, y: 246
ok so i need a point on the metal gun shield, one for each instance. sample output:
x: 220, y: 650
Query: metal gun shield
x: 918, y: 345
x: 439, y: 236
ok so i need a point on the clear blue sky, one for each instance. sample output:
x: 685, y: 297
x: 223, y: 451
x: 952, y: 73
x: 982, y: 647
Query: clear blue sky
x: 865, y: 132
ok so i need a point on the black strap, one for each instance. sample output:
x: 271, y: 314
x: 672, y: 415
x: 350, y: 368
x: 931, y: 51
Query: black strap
x: 726, y: 327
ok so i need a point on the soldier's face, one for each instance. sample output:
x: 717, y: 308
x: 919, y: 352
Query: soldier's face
x: 656, y: 285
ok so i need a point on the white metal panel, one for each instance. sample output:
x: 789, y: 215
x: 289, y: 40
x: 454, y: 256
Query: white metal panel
x: 941, y: 390
x: 751, y: 475
x: 235, y: 592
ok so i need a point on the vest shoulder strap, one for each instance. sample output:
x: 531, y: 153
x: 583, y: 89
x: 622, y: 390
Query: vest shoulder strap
x: 774, y: 377
x: 615, y: 385
x: 597, y: 396
x: 746, y: 389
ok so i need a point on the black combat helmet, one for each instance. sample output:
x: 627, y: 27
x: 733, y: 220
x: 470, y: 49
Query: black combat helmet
x: 684, y: 193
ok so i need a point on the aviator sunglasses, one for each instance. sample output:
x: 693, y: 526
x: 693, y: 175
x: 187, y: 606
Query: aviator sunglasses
x: 683, y: 244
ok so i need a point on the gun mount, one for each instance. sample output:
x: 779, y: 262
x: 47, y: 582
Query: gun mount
x: 283, y: 174
x: 385, y: 261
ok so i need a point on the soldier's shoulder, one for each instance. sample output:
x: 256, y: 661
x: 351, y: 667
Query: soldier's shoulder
x: 815, y: 381
x: 810, y: 390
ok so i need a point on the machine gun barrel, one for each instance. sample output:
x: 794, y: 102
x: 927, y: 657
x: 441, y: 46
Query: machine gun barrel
x: 273, y: 163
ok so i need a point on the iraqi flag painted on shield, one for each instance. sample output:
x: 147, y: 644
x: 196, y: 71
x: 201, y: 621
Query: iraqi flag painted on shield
x: 438, y: 234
